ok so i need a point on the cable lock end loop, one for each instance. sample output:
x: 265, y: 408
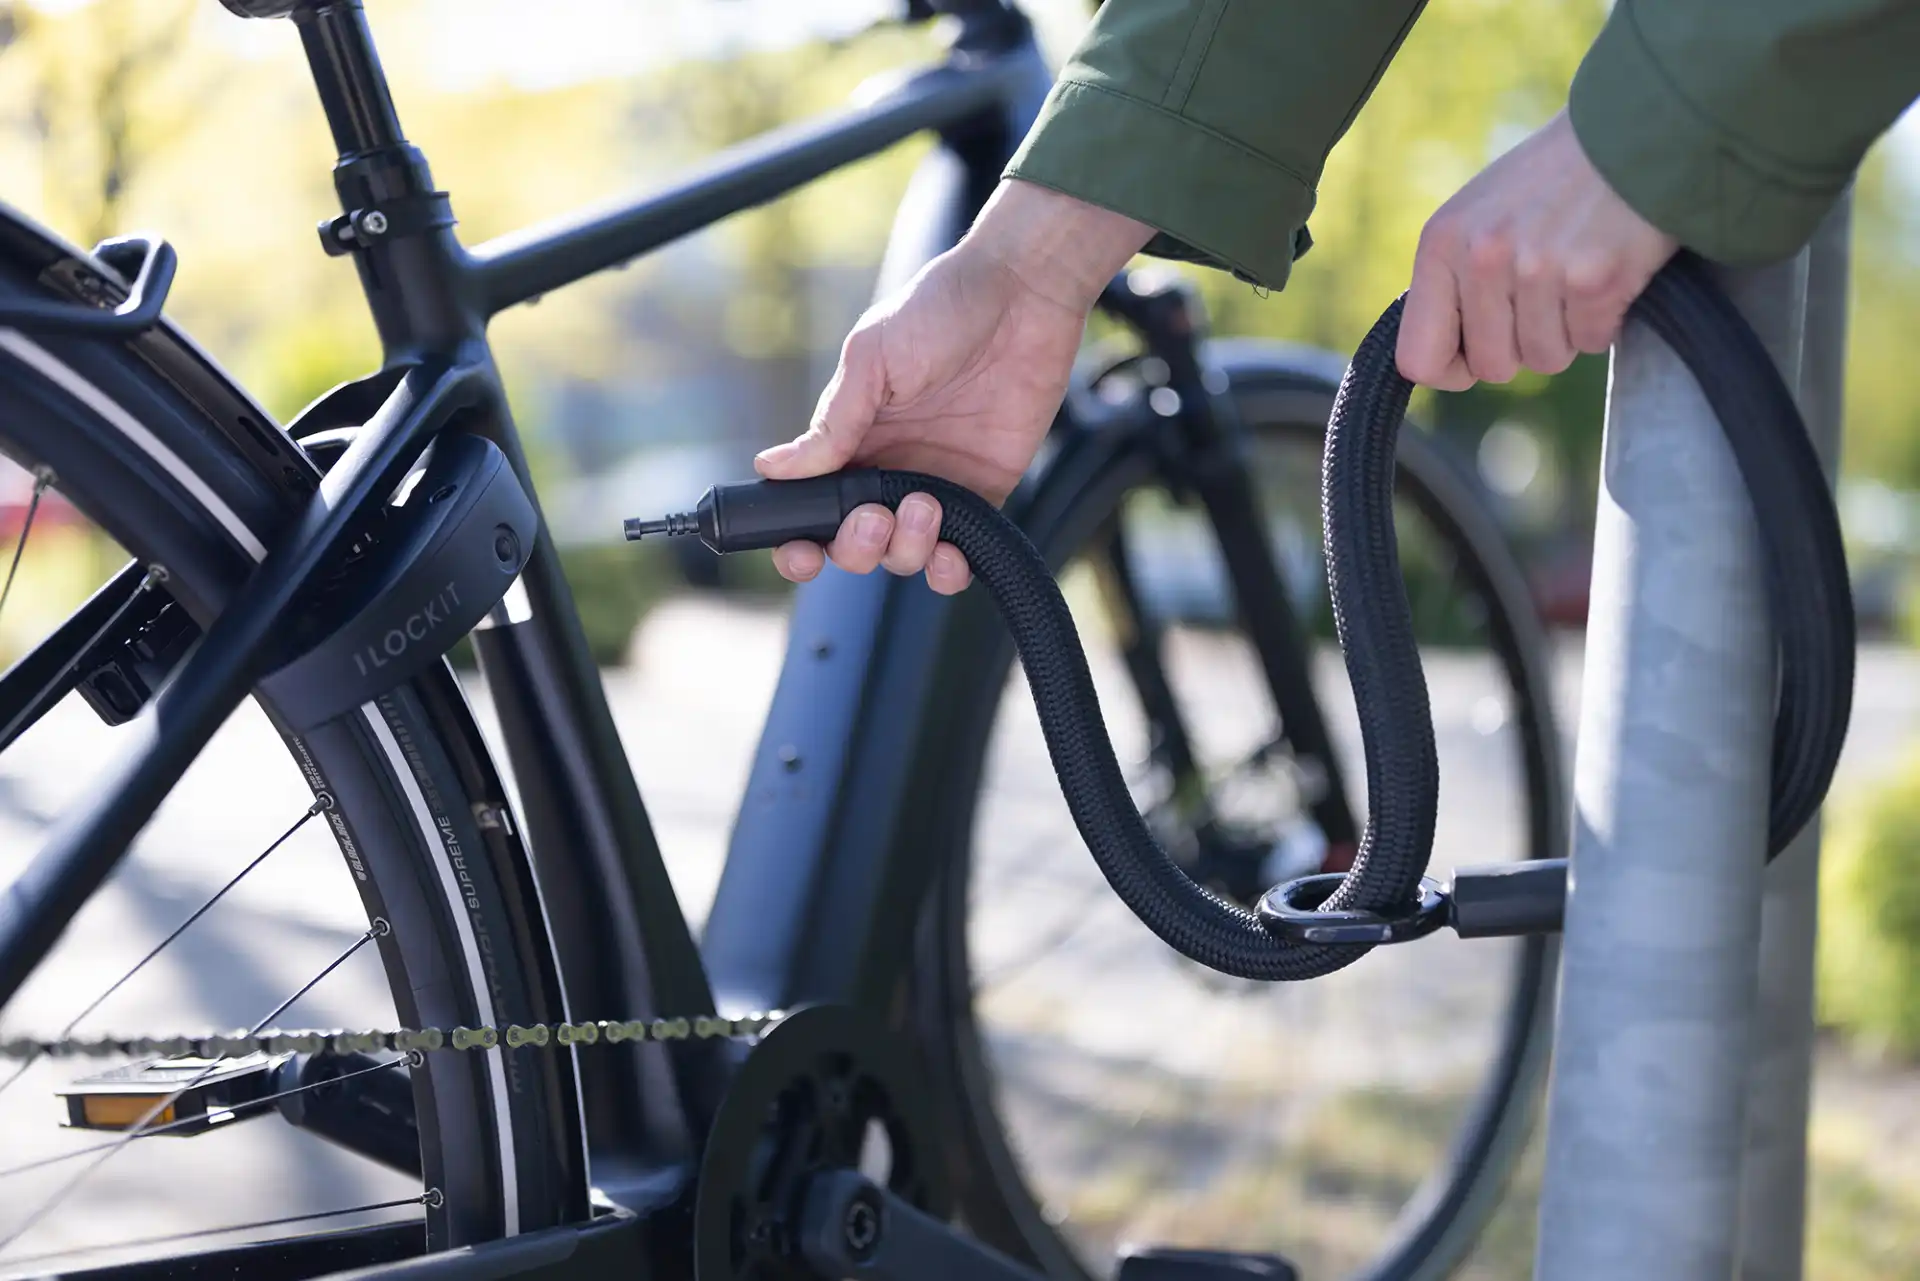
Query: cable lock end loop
x: 1291, y: 911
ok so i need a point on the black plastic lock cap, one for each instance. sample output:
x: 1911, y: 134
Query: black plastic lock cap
x: 440, y: 561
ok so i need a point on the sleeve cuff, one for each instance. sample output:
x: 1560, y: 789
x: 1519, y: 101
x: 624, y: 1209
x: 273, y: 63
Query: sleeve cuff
x: 1680, y: 169
x: 1213, y: 200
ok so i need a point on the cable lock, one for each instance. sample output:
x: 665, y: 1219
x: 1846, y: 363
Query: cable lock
x: 1301, y: 929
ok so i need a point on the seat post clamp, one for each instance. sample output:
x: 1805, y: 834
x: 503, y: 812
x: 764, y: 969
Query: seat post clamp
x: 390, y: 220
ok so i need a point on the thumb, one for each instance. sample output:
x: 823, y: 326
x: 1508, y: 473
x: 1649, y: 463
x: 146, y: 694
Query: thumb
x: 840, y: 421
x: 1428, y: 349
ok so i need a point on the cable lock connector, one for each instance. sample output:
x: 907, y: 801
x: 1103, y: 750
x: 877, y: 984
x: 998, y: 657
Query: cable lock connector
x: 758, y: 514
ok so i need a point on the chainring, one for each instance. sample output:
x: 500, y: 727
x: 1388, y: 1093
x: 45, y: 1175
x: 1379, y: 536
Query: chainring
x: 826, y: 1087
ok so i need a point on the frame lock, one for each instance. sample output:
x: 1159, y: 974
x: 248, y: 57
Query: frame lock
x: 413, y: 584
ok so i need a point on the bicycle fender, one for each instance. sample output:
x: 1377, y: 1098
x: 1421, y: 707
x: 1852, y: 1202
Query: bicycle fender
x: 416, y: 582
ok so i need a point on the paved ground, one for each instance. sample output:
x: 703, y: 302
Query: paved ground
x: 1150, y: 1101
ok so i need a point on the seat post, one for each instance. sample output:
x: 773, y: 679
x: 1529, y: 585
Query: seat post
x: 347, y: 74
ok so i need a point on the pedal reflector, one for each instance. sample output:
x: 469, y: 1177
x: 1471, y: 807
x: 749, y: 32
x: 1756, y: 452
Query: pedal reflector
x: 118, y: 1111
x: 230, y: 1090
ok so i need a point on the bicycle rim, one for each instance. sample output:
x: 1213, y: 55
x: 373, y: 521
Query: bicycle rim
x: 151, y: 442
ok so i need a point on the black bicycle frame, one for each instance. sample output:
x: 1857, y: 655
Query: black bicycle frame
x: 824, y: 878
x: 864, y: 652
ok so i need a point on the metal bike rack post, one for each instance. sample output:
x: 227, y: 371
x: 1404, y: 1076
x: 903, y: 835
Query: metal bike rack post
x: 1774, y: 1191
x: 1647, y: 1108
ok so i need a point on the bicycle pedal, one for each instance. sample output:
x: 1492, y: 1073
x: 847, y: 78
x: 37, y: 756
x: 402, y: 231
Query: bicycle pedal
x: 230, y: 1090
x: 1164, y: 1263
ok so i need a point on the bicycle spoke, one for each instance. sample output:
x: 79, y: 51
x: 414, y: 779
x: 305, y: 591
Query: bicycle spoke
x: 42, y: 1163
x: 428, y: 1198
x: 42, y: 477
x: 378, y: 929
x: 162, y: 945
x: 1078, y: 915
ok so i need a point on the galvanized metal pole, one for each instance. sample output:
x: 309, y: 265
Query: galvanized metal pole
x: 1647, y: 1105
x: 1774, y: 1197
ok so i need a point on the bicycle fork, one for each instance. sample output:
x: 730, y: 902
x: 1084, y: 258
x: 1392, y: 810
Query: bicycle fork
x: 1205, y: 453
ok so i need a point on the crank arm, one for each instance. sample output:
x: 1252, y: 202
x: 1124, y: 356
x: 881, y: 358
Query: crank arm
x: 851, y: 1227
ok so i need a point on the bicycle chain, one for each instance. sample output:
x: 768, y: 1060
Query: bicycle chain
x: 405, y: 1040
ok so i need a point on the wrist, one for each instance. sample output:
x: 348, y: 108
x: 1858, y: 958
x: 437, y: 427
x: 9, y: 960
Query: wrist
x: 1059, y: 246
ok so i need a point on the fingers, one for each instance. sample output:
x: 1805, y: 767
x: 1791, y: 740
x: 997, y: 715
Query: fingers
x: 1486, y: 309
x: 1428, y: 351
x: 1535, y: 260
x: 871, y: 537
x: 862, y: 539
x: 799, y: 562
x: 1540, y: 316
x: 1596, y: 305
x: 948, y: 571
x: 916, y: 528
x: 846, y: 409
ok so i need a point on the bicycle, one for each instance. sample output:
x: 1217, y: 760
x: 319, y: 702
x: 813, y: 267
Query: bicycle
x: 582, y: 1085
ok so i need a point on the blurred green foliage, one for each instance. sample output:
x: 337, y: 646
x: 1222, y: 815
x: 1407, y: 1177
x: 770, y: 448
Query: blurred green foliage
x: 614, y: 586
x: 116, y: 114
x: 1870, y: 914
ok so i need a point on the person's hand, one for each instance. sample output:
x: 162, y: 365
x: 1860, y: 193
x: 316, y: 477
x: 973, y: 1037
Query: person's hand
x: 1533, y: 261
x: 959, y: 374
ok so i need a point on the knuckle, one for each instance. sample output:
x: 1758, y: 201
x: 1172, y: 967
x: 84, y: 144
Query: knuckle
x: 1490, y: 252
x: 1531, y: 267
x: 1590, y: 279
x: 862, y: 341
x: 1442, y: 235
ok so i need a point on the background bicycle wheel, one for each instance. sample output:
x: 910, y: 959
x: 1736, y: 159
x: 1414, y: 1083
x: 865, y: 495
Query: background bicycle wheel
x: 1112, y: 1094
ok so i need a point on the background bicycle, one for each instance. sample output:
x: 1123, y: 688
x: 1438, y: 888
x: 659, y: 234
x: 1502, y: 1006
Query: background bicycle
x: 679, y: 364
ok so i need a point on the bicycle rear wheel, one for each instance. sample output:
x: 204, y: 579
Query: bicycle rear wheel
x: 1105, y: 1092
x: 162, y: 453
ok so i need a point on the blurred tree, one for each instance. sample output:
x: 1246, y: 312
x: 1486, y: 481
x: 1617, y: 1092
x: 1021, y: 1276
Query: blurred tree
x: 95, y: 81
x: 1473, y: 78
x: 1883, y: 387
x: 169, y: 113
x: 782, y: 248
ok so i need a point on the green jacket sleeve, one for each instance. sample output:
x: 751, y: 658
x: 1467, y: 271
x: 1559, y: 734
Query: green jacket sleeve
x: 1211, y: 119
x: 1733, y: 125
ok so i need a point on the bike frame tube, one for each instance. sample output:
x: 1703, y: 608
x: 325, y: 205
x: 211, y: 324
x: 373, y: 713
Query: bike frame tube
x: 521, y: 266
x: 626, y: 950
x: 824, y: 880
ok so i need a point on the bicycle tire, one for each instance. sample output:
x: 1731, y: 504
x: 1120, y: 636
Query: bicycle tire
x: 1285, y: 395
x: 154, y: 444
